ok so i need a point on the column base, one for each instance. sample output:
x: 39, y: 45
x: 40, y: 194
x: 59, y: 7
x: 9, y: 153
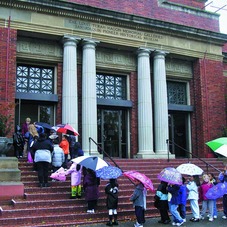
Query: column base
x: 93, y: 153
x: 145, y: 155
x: 154, y: 156
x: 165, y: 155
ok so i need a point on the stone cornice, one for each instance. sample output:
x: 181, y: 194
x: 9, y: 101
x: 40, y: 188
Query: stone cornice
x: 84, y: 12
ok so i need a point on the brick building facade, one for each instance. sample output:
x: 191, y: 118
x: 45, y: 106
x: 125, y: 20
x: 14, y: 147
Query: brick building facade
x: 140, y: 77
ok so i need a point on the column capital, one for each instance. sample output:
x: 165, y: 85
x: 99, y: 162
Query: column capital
x: 143, y: 50
x: 87, y: 41
x: 70, y: 39
x: 160, y: 52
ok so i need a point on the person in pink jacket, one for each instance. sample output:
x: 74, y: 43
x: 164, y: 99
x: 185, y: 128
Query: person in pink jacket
x: 206, y: 203
x: 75, y: 170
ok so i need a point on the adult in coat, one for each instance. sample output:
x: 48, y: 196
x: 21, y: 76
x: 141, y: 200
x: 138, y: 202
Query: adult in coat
x: 42, y: 150
x: 91, y: 189
x: 58, y: 156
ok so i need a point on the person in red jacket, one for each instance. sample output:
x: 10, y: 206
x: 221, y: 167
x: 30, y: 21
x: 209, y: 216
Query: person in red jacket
x: 65, y: 147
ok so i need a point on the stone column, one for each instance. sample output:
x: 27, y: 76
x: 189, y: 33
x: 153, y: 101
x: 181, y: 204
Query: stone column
x: 161, y: 125
x: 69, y: 90
x: 145, y: 126
x: 89, y: 100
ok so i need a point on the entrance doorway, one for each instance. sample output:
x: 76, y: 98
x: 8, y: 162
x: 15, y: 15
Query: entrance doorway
x: 112, y: 130
x: 36, y: 111
x: 178, y: 134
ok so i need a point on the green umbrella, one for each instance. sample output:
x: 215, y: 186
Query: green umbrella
x: 219, y: 145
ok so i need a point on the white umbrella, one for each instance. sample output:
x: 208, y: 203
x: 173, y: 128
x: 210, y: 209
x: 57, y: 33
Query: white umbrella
x: 91, y: 162
x: 189, y: 169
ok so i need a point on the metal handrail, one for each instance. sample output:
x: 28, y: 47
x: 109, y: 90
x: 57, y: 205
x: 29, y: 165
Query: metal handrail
x: 193, y: 155
x: 101, y: 151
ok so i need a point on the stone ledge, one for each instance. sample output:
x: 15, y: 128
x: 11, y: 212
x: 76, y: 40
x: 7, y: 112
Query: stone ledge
x: 11, y: 189
x: 8, y: 162
x: 10, y: 175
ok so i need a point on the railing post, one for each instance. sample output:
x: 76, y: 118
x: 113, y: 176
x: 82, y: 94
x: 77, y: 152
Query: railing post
x: 167, y: 142
x: 89, y: 145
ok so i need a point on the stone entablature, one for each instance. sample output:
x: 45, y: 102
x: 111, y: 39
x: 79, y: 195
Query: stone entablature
x: 105, y: 58
x: 119, y: 33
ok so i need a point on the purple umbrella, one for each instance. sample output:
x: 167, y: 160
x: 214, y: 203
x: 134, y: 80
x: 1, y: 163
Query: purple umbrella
x: 108, y: 172
x: 170, y: 175
x: 217, y: 191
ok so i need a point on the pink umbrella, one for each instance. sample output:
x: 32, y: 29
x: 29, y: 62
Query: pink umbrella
x: 59, y: 175
x: 170, y: 175
x: 132, y: 175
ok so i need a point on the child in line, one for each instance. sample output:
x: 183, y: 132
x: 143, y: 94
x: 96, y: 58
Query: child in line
x: 139, y: 202
x: 163, y: 207
x: 111, y: 191
x: 174, y: 202
x: 213, y: 181
x: 65, y: 146
x: 193, y: 197
x: 223, y: 178
x: 76, y: 171
x: 91, y: 189
x: 205, y: 186
x: 183, y: 200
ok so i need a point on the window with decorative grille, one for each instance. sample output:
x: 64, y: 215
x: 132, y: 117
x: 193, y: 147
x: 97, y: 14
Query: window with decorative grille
x: 34, y: 79
x: 176, y: 93
x: 111, y: 87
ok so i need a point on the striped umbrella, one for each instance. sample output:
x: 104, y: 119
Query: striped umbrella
x: 219, y: 145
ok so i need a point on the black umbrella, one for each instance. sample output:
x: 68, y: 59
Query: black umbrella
x: 44, y: 125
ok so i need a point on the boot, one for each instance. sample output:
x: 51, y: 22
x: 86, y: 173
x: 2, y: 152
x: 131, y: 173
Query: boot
x: 109, y: 223
x: 115, y: 220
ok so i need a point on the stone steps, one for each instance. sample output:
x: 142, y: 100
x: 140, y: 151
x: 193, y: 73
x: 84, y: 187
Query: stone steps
x: 53, y: 207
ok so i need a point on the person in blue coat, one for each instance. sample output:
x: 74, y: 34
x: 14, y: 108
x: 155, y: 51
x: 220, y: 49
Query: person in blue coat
x: 183, y: 200
x: 139, y: 202
x: 223, y: 178
x: 174, y: 202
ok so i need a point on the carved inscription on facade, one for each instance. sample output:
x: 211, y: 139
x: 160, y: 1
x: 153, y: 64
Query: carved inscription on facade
x: 113, y: 31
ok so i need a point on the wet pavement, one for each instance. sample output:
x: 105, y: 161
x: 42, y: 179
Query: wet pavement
x: 153, y: 222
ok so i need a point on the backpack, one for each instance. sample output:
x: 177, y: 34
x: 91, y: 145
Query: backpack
x: 18, y: 139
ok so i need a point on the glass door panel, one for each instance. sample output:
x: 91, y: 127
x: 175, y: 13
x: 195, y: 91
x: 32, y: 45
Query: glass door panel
x: 112, y: 132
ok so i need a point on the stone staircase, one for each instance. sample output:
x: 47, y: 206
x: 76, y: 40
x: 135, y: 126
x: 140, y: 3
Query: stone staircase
x: 53, y: 207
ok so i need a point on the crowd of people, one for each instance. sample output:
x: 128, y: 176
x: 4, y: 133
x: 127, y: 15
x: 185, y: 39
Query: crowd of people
x: 172, y: 198
x: 44, y: 149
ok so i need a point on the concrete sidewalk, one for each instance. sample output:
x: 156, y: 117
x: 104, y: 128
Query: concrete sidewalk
x: 153, y: 222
